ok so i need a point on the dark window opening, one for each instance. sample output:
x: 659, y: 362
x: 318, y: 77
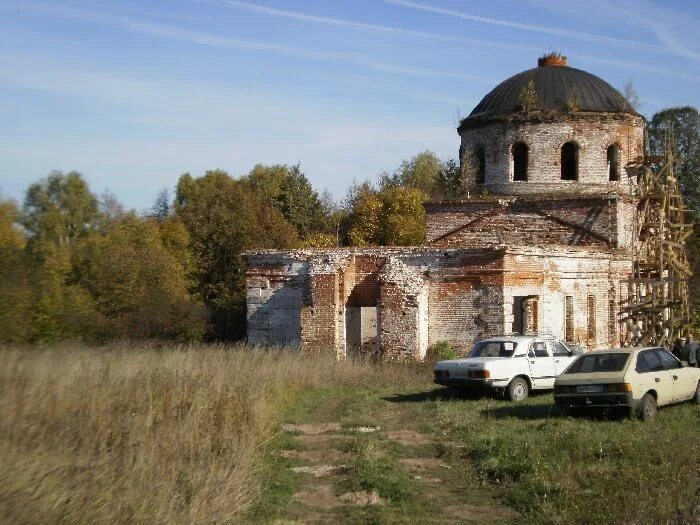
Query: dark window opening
x: 569, y: 161
x: 525, y: 314
x: 520, y: 160
x: 569, y: 318
x: 480, y: 166
x: 591, y: 319
x: 613, y: 162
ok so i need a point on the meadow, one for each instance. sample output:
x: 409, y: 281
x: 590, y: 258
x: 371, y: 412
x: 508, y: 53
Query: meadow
x: 194, y: 434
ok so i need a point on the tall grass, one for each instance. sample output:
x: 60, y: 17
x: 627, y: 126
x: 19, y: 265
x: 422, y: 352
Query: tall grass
x: 123, y: 433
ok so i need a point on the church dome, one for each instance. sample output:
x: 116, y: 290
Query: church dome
x: 557, y: 87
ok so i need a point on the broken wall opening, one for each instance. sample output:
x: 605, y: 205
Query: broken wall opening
x: 525, y: 314
x: 361, y: 329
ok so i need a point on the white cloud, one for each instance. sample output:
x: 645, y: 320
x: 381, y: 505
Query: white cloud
x: 207, y: 39
x: 549, y: 30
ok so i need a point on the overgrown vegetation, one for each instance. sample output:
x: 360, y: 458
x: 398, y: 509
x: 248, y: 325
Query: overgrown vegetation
x: 440, y: 351
x: 75, y: 266
x: 145, y: 434
x: 193, y: 434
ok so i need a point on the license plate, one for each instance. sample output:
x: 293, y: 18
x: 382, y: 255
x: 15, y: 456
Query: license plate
x: 460, y: 373
x: 589, y: 389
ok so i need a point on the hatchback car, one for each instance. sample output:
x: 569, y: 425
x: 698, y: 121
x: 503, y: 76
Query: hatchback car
x: 636, y: 380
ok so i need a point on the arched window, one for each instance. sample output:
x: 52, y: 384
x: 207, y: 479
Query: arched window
x: 520, y: 160
x: 480, y: 156
x: 569, y: 161
x: 613, y: 162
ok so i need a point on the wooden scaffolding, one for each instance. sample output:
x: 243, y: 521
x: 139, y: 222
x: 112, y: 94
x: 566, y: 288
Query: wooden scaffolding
x: 656, y: 311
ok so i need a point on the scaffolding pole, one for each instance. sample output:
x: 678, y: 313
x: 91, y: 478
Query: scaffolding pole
x: 656, y: 312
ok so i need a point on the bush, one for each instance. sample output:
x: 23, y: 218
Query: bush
x: 441, y: 351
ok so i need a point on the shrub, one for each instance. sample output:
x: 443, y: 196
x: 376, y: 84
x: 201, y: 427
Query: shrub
x: 441, y: 351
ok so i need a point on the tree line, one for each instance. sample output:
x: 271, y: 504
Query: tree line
x: 77, y: 266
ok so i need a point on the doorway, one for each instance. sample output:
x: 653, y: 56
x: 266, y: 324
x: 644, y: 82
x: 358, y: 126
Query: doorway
x: 361, y: 330
x: 525, y: 314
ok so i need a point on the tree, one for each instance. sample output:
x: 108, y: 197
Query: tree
x: 59, y: 209
x: 162, y: 207
x: 139, y: 285
x: 685, y: 124
x: 631, y: 96
x: 404, y: 216
x: 449, y: 181
x: 290, y: 192
x: 15, y: 291
x: 224, y: 217
x: 421, y: 172
x: 393, y: 216
x: 366, y: 216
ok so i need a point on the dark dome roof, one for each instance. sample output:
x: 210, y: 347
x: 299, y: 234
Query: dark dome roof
x: 556, y: 85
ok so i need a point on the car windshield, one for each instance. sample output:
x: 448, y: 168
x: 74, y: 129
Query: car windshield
x: 494, y: 349
x: 587, y: 364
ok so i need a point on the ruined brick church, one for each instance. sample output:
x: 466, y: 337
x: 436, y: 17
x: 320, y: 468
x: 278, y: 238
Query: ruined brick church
x: 541, y: 243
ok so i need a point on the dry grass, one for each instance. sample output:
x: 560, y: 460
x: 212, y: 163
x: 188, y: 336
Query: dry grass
x: 123, y: 433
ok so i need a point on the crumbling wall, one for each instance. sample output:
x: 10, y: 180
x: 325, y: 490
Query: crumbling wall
x: 275, y: 286
x: 403, y: 311
x: 322, y: 316
x: 465, y: 297
x: 591, y: 280
x: 530, y: 220
x: 593, y: 133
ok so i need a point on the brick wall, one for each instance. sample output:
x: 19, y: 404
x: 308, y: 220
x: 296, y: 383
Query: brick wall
x: 531, y: 220
x: 426, y: 295
x: 592, y: 132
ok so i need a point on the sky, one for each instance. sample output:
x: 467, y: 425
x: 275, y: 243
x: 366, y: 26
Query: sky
x: 133, y: 94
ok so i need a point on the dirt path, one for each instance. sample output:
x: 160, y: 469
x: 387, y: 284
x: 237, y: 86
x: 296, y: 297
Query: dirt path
x: 390, y: 472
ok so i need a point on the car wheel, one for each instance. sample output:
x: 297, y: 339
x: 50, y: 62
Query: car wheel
x: 518, y: 389
x: 648, y: 408
x: 697, y: 394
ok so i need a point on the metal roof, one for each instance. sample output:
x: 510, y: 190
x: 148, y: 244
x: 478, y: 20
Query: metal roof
x: 556, y: 87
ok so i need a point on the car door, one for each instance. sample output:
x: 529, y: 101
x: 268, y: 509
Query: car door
x: 563, y: 356
x: 541, y: 362
x: 683, y: 384
x: 654, y: 376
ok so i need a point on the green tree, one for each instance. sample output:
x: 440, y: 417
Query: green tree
x: 15, y: 290
x: 684, y: 122
x: 449, y: 181
x: 290, y: 192
x: 421, y: 172
x: 139, y: 284
x: 59, y: 209
x: 224, y: 217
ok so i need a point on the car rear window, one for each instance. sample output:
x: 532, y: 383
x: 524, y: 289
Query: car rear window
x: 494, y: 349
x: 586, y: 364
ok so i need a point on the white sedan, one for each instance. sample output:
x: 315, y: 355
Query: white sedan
x: 637, y: 380
x: 511, y: 364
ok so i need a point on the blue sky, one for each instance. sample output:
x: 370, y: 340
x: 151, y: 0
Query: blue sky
x: 133, y: 94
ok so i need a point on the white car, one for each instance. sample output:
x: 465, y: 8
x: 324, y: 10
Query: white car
x: 511, y: 364
x: 637, y: 380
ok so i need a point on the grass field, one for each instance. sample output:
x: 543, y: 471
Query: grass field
x: 214, y: 434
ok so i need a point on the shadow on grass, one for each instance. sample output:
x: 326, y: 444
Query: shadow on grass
x: 534, y: 412
x: 437, y: 394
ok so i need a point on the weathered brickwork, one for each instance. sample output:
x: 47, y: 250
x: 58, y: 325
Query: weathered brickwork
x: 593, y: 133
x: 419, y: 296
x: 542, y: 254
x: 604, y: 220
